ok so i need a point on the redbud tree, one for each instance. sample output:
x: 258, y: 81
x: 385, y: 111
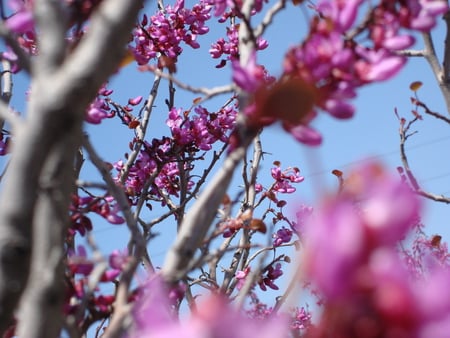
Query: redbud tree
x: 361, y: 255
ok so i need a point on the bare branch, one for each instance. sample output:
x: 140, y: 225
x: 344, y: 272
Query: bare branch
x: 141, y: 130
x: 433, y: 61
x: 51, y: 24
x: 412, y: 53
x: 446, y: 62
x: 208, y: 92
x: 268, y: 18
x: 45, y: 288
x: 409, y: 174
x: 56, y: 111
x: 199, y: 218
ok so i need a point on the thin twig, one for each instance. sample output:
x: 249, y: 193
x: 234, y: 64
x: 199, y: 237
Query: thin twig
x: 141, y: 130
x: 268, y: 18
x: 409, y: 174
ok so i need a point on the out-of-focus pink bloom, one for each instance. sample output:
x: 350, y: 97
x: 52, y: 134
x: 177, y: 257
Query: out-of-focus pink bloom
x: 79, y: 263
x: 339, y: 108
x: 305, y: 134
x: 22, y: 20
x: 250, y: 76
x: 423, y: 13
x: 214, y: 318
x: 378, y: 65
x: 334, y: 241
x: 342, y: 236
x: 109, y: 275
x: 135, y: 101
x: 118, y: 259
x: 240, y: 277
x: 282, y: 235
x: 342, y: 12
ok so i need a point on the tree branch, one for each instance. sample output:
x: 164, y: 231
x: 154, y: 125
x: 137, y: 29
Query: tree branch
x: 409, y: 174
x: 439, y: 73
x: 55, y: 114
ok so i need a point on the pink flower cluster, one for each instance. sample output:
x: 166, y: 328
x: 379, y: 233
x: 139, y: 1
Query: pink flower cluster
x: 214, y: 317
x: 160, y: 159
x: 104, y: 206
x: 337, y: 67
x: 80, y: 268
x: 269, y: 274
x: 351, y: 255
x: 230, y: 47
x: 103, y: 108
x: 162, y: 33
x: 99, y: 109
x: 202, y: 129
x: 325, y: 71
x: 230, y: 8
x: 283, y: 179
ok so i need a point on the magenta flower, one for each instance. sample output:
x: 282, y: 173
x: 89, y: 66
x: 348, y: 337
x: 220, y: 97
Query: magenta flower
x: 214, y: 318
x: 282, y: 235
x: 342, y: 12
x: 423, y: 13
x: 22, y: 20
x: 250, y: 76
x: 342, y: 236
x: 79, y: 263
x: 378, y: 65
x: 305, y: 134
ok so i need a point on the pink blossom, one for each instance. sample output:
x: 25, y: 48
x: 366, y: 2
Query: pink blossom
x: 118, y: 259
x: 79, y: 263
x: 424, y: 12
x: 22, y: 20
x: 342, y: 12
x: 305, y: 134
x: 378, y: 65
x: 282, y: 235
x: 135, y: 101
x: 214, y: 318
x: 250, y: 76
x: 165, y: 31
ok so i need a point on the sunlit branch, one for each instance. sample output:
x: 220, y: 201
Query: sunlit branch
x: 446, y: 56
x: 412, y: 53
x: 208, y: 92
x: 409, y: 174
x: 120, y: 197
x: 433, y: 61
x: 268, y: 18
x: 141, y: 130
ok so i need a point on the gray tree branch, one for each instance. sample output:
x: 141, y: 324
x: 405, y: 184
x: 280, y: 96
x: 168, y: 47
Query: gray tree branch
x: 61, y: 91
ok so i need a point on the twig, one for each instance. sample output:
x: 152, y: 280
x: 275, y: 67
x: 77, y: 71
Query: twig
x: 268, y: 18
x: 141, y: 130
x: 199, y: 218
x: 411, y: 177
x: 439, y: 73
x: 208, y: 92
x: 412, y: 53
